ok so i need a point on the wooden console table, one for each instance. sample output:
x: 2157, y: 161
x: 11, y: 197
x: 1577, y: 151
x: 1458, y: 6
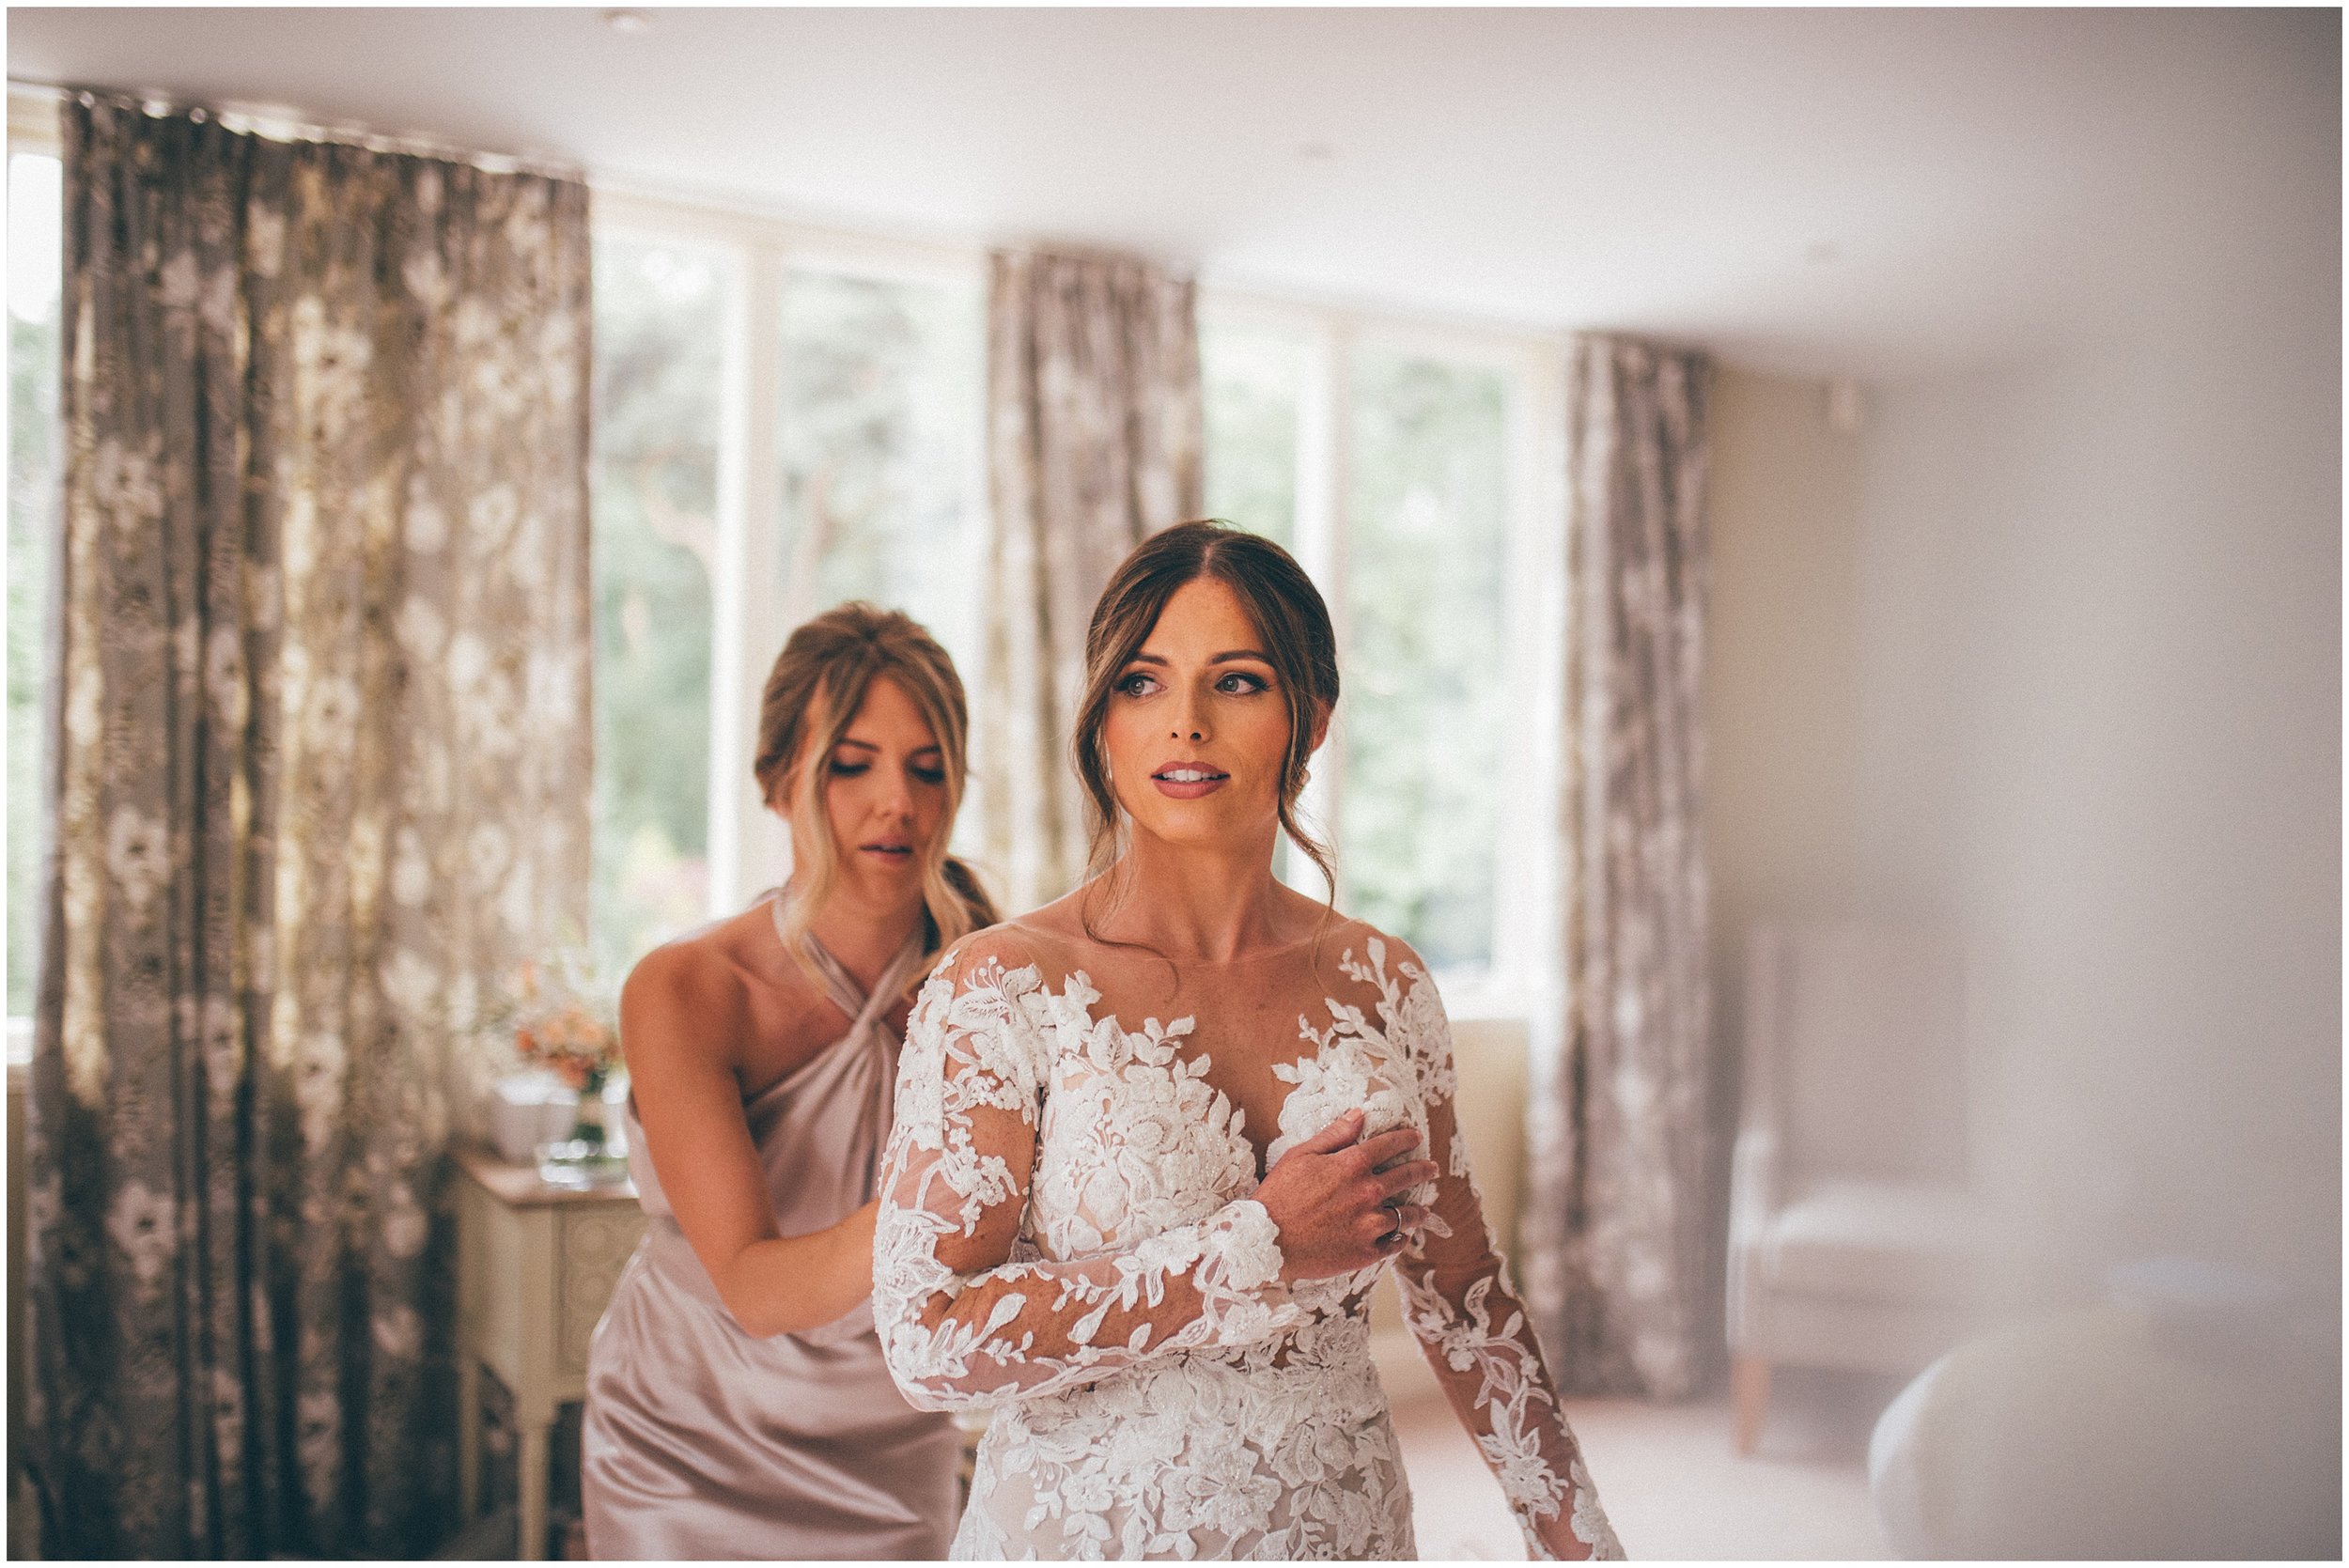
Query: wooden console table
x: 535, y: 1265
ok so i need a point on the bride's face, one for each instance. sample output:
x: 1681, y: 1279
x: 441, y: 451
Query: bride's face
x: 1197, y: 729
x: 884, y: 791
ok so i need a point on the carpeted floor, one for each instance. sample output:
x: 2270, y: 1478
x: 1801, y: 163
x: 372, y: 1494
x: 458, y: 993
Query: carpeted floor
x: 1671, y: 1483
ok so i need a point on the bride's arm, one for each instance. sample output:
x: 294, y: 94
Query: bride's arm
x: 962, y: 1324
x: 1470, y: 1323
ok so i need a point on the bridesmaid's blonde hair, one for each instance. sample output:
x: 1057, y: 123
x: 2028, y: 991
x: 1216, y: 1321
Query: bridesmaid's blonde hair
x: 811, y: 694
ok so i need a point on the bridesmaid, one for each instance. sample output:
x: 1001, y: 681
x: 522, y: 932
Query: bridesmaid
x: 737, y: 1405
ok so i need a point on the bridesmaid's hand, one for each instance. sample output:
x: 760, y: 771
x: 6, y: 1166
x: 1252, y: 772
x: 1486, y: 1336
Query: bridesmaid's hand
x: 1333, y: 1199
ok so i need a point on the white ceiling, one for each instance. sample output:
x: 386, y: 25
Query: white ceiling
x: 1871, y: 193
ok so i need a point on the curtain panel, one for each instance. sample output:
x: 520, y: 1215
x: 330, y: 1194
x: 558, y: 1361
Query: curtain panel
x: 320, y: 732
x: 1095, y: 432
x: 1619, y: 1228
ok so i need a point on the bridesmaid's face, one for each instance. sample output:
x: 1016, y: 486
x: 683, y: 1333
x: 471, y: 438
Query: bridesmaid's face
x: 885, y: 790
x: 1198, y: 728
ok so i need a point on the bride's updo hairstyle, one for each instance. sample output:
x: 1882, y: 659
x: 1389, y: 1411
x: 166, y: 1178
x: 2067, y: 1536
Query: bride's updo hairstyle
x: 812, y: 696
x: 1290, y: 620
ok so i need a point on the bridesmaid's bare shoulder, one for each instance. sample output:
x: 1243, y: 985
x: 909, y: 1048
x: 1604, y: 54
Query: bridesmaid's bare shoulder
x: 715, y: 990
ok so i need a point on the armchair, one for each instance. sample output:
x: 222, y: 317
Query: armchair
x: 1856, y: 1235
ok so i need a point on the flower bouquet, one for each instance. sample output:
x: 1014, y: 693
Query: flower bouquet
x: 565, y: 1023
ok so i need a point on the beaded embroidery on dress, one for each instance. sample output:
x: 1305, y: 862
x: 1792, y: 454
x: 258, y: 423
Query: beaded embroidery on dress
x: 1159, y: 1392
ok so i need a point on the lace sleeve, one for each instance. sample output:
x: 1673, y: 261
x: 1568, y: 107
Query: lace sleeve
x: 1471, y: 1326
x: 960, y: 1322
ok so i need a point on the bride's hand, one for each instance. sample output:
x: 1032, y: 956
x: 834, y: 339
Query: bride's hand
x: 1329, y: 1196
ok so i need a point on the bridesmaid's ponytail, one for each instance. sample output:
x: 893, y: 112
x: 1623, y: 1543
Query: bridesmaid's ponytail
x: 979, y: 909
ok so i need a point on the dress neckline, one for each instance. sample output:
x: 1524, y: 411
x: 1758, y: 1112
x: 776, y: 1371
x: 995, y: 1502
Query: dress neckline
x: 847, y: 992
x: 842, y: 990
x: 1381, y: 1028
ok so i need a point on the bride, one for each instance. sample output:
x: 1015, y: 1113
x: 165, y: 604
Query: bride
x: 1155, y: 1142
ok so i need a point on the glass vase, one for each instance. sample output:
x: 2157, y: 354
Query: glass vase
x: 591, y: 1156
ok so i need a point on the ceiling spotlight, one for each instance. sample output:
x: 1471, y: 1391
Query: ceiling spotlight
x: 627, y: 21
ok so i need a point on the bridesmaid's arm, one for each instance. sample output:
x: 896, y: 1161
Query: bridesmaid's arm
x: 675, y: 1012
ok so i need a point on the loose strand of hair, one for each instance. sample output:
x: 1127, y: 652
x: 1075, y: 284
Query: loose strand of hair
x: 812, y: 848
x: 1317, y: 852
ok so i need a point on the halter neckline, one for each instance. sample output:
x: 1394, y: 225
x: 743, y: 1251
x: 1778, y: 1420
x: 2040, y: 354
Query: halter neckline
x: 841, y: 987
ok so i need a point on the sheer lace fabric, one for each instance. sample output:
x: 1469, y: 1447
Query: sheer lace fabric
x: 1067, y: 1232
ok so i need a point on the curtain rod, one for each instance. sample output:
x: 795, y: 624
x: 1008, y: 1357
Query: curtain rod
x: 289, y: 126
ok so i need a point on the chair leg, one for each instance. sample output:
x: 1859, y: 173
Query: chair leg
x: 1749, y: 1389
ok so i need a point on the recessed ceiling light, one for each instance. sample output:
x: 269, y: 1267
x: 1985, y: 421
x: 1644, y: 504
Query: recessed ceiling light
x: 627, y: 21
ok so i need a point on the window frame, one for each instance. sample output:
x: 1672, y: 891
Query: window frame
x: 33, y: 120
x: 32, y: 131
x: 746, y: 841
x: 1526, y: 892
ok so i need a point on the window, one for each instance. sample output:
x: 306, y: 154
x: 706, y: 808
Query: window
x: 878, y: 437
x: 1252, y: 375
x: 1402, y: 466
x: 782, y: 421
x: 659, y: 347
x: 36, y: 201
x: 810, y: 416
x: 1426, y: 541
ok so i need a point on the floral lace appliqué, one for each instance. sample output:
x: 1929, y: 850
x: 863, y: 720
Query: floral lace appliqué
x: 1067, y: 1232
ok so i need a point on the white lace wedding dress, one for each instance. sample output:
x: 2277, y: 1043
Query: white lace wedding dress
x: 1159, y: 1392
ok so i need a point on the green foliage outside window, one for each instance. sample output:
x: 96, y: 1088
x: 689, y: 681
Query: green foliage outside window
x: 879, y: 422
x: 660, y: 313
x: 1252, y: 378
x: 35, y: 217
x: 32, y: 524
x: 1425, y: 677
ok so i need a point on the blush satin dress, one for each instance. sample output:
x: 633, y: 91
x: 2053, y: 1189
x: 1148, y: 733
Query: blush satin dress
x: 703, y: 1441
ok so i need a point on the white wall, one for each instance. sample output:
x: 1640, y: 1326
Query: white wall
x: 1781, y: 703
x: 2053, y: 654
x: 1781, y: 688
x: 2052, y: 651
x: 2099, y: 710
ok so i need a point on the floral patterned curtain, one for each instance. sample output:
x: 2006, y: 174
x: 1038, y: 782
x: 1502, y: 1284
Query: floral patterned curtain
x: 1096, y: 431
x: 1619, y: 1230
x: 320, y: 714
